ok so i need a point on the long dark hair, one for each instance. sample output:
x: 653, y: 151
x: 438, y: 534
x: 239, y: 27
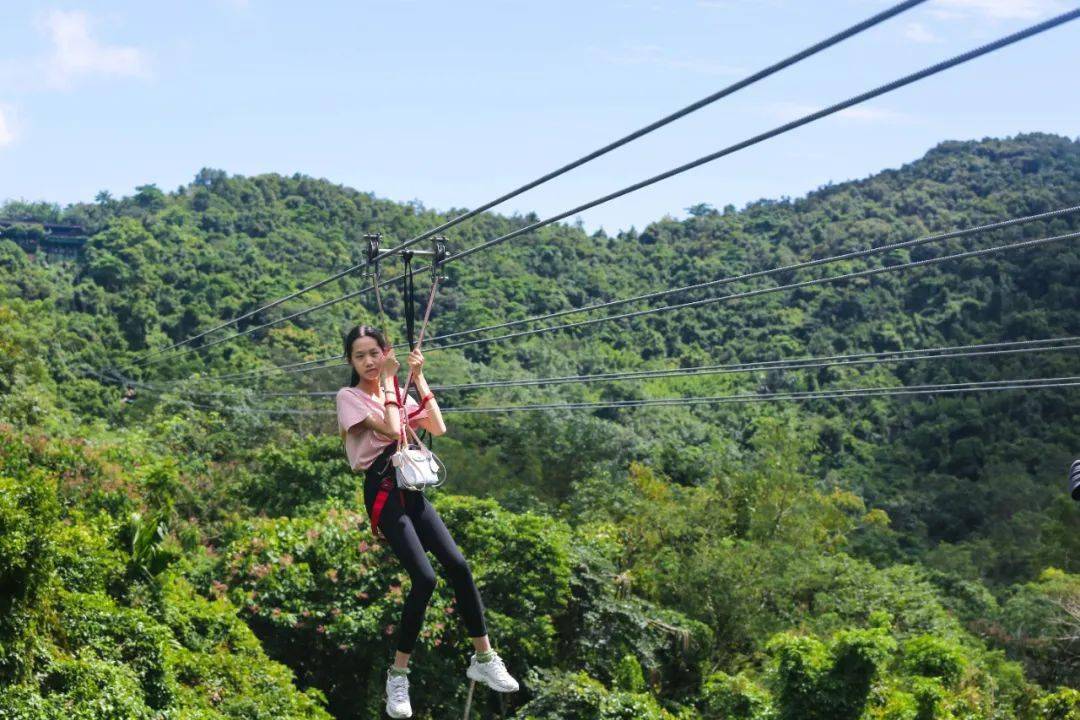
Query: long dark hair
x: 358, y: 332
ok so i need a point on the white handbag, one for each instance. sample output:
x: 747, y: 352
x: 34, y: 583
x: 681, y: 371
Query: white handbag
x: 417, y: 468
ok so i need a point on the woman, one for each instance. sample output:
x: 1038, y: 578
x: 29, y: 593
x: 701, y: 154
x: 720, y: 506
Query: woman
x: 369, y: 420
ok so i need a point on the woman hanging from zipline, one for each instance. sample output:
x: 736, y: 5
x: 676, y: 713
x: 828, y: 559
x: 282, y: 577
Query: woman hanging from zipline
x: 369, y: 417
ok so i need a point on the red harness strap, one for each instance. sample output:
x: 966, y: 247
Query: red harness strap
x: 381, y: 497
x: 376, y: 509
x: 420, y: 407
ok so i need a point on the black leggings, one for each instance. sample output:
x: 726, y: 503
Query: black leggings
x: 412, y: 530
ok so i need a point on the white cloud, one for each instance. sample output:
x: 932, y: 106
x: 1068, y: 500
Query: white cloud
x: 918, y: 33
x: 76, y: 53
x: 7, y: 134
x: 997, y: 9
x: 656, y: 56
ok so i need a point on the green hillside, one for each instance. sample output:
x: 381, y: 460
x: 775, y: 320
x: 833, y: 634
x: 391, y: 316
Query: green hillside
x: 193, y: 555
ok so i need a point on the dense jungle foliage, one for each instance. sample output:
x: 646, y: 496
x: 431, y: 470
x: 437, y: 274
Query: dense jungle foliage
x: 191, y: 555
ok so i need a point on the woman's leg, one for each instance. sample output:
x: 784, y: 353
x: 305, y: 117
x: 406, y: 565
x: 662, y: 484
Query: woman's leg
x: 485, y: 665
x: 435, y: 537
x: 401, y: 533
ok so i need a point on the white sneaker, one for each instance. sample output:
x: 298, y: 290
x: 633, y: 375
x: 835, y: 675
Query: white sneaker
x: 492, y: 673
x: 397, y: 696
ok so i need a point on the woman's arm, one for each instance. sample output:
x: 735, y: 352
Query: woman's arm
x: 384, y: 426
x: 390, y: 424
x: 433, y: 423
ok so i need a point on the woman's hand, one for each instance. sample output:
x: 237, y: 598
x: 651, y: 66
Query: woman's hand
x: 390, y: 364
x: 416, y: 363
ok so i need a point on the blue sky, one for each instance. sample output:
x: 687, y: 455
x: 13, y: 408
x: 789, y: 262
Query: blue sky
x: 454, y: 103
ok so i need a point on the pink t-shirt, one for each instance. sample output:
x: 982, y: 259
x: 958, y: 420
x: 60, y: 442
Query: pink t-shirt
x: 362, y: 446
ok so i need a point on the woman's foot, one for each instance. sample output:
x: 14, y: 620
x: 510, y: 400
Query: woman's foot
x: 492, y: 672
x: 397, y: 696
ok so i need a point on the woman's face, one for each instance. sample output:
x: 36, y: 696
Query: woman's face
x: 366, y: 357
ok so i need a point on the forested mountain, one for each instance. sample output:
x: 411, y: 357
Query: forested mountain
x: 192, y: 554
